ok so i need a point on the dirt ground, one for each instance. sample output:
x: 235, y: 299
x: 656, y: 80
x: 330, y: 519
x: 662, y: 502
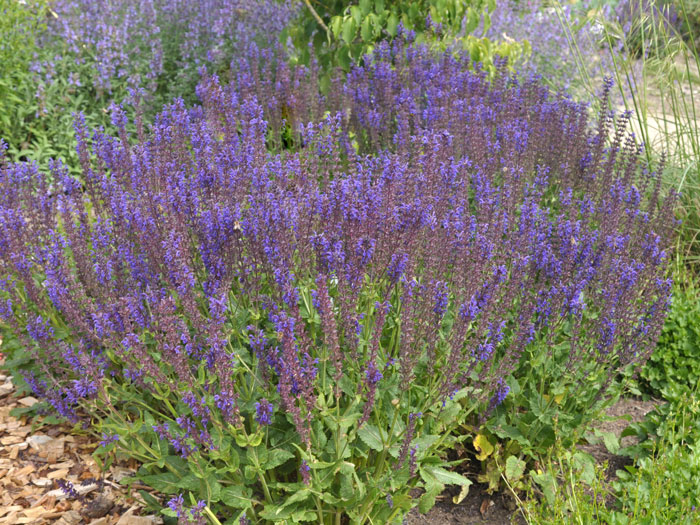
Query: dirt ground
x: 498, y: 509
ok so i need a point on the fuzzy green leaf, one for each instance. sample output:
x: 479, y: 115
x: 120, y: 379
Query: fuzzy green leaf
x: 372, y: 437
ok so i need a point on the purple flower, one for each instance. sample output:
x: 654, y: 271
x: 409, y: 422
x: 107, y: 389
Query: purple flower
x: 263, y: 412
x: 305, y: 470
x: 108, y: 439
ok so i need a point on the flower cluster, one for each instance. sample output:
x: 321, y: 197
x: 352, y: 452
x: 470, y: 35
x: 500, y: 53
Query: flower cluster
x: 274, y: 251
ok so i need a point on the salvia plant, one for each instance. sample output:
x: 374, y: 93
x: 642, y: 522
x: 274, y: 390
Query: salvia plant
x: 285, y: 304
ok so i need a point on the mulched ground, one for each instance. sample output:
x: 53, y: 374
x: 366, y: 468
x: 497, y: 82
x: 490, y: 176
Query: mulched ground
x: 33, y: 461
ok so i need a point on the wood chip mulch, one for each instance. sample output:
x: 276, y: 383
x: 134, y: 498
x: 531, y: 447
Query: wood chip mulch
x: 36, y: 460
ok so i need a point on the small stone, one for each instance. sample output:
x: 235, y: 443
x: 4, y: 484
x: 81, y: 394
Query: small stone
x: 6, y: 388
x: 130, y: 519
x: 69, y: 518
x: 45, y: 445
x: 98, y: 508
x: 28, y: 401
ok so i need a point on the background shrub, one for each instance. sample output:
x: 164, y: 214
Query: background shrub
x: 89, y: 55
x: 674, y: 367
x: 339, y: 33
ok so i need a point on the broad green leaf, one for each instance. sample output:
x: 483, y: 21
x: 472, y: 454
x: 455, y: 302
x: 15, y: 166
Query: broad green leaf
x: 447, y: 477
x: 547, y: 484
x: 515, y: 467
x: 391, y: 24
x: 298, y: 496
x: 190, y: 482
x: 586, y: 465
x: 167, y: 482
x: 349, y: 30
x: 366, y: 30
x: 427, y: 500
x: 276, y: 457
x: 336, y: 25
x: 472, y: 21
x: 610, y: 440
x: 372, y: 437
x: 236, y: 496
x: 277, y: 513
x: 346, y: 489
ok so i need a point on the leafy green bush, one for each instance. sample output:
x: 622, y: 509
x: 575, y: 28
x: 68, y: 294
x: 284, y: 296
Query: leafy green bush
x: 341, y: 34
x: 20, y: 25
x: 674, y: 366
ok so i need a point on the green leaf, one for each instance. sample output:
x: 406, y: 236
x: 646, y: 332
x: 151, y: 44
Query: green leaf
x: 346, y: 489
x: 236, y: 496
x: 250, y: 472
x: 255, y: 439
x: 515, y: 467
x: 472, y: 21
x: 585, y: 463
x: 427, y: 500
x: 356, y: 14
x: 277, y: 513
x: 391, y: 25
x: 366, y: 30
x: 300, y: 495
x: 372, y: 437
x: 610, y: 440
x: 349, y: 30
x: 276, y: 458
x: 241, y: 440
x: 547, y: 484
x: 365, y: 6
x: 167, y: 482
x: 189, y: 482
x: 151, y: 502
x: 447, y: 477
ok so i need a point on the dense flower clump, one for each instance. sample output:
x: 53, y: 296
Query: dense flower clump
x: 276, y: 251
x: 144, y: 44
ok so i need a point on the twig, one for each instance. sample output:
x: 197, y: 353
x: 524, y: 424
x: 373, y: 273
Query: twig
x: 317, y: 17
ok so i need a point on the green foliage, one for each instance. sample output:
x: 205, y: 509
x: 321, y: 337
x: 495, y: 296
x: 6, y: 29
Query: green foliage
x: 674, y: 366
x: 689, y: 14
x: 20, y: 24
x: 38, y: 119
x: 661, y: 487
x: 253, y: 468
x: 341, y: 34
x: 547, y: 406
x: 36, y: 114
